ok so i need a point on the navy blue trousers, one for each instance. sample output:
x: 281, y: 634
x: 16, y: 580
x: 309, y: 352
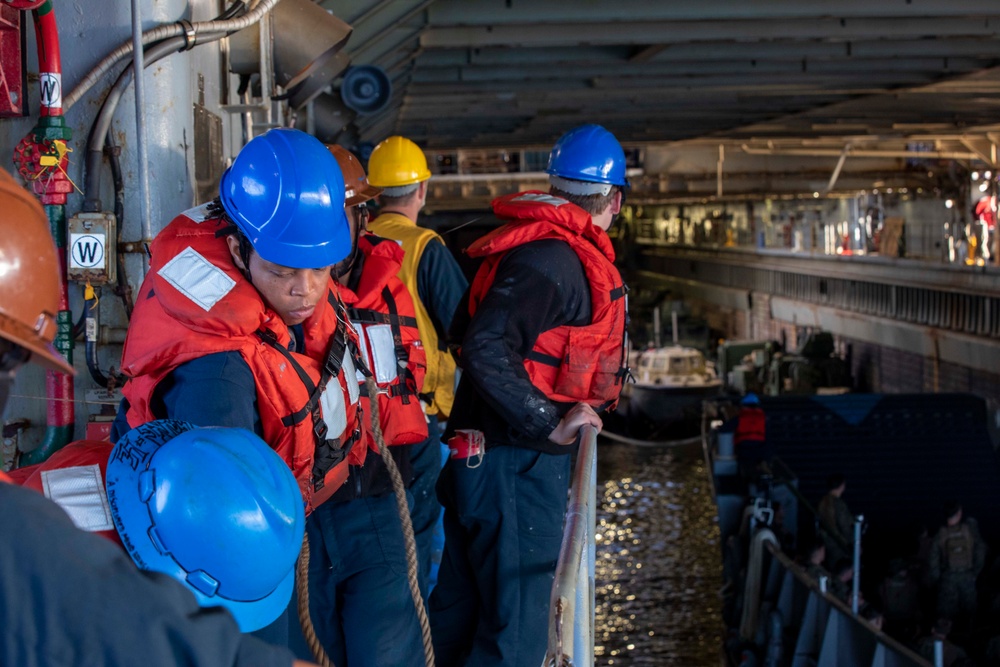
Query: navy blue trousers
x: 425, y: 459
x: 359, y: 598
x: 503, y: 528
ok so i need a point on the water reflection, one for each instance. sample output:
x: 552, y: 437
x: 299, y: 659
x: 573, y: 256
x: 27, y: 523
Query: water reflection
x: 658, y: 559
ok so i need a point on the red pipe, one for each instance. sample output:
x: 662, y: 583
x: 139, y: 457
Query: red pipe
x: 52, y: 191
x: 49, y: 61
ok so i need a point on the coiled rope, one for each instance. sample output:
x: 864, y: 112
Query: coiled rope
x: 403, y: 510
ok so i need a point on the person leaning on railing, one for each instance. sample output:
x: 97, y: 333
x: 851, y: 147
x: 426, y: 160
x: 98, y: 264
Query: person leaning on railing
x: 543, y: 353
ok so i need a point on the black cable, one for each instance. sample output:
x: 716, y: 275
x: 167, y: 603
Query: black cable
x: 112, y: 379
x: 122, y: 289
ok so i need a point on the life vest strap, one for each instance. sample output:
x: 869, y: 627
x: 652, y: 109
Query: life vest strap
x: 542, y: 358
x: 369, y: 316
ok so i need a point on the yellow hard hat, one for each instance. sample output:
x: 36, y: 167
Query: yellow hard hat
x: 395, y: 162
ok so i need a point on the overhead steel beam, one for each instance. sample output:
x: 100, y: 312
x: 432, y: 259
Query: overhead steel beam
x: 859, y: 67
x: 864, y: 152
x: 638, y: 33
x: 500, y: 12
x: 777, y: 49
x: 765, y: 83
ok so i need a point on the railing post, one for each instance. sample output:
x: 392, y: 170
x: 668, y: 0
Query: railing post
x: 856, y: 581
x: 571, y: 607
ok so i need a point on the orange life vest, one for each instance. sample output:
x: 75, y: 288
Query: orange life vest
x: 73, y: 478
x: 195, y: 302
x: 569, y: 363
x: 749, y: 425
x: 383, y: 314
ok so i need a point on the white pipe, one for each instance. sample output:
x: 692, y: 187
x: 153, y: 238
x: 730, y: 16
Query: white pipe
x: 718, y: 170
x: 163, y: 32
x: 510, y: 176
x: 138, y: 62
x: 836, y: 170
x: 856, y: 581
x: 656, y: 326
x: 868, y: 152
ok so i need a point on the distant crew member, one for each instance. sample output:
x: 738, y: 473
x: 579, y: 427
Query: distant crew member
x: 836, y: 520
x: 750, y: 437
x: 957, y: 556
x: 543, y: 353
x: 814, y: 564
x: 901, y: 600
x: 436, y: 283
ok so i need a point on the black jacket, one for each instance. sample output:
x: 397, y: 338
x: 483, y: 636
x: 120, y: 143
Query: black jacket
x: 538, y: 286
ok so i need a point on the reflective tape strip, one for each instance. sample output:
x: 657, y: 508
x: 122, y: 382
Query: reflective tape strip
x: 580, y: 187
x: 80, y: 492
x: 383, y: 352
x: 332, y: 399
x: 353, y: 390
x: 198, y: 214
x: 541, y: 199
x: 378, y: 347
x: 363, y: 347
x: 197, y: 278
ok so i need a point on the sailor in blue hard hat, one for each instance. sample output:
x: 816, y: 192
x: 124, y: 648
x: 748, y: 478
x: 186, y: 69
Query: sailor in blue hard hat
x: 69, y: 597
x: 542, y: 356
x: 238, y: 322
x: 196, y: 503
x: 191, y: 503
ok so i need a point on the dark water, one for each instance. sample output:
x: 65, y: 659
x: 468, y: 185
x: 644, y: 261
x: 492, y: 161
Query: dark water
x: 658, y: 560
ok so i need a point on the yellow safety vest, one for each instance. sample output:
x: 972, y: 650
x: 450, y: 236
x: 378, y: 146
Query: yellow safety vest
x: 439, y: 380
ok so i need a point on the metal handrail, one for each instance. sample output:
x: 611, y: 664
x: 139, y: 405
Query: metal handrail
x: 808, y: 582
x: 571, y: 610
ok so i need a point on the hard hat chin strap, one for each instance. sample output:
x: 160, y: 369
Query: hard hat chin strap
x: 358, y: 219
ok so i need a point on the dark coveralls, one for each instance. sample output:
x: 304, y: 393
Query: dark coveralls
x: 504, y: 517
x: 836, y: 516
x: 73, y: 598
x: 440, y: 286
x: 957, y: 557
x: 358, y: 541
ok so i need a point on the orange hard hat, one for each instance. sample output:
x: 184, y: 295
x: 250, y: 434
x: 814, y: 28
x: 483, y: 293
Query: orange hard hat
x: 357, y: 189
x: 29, y: 276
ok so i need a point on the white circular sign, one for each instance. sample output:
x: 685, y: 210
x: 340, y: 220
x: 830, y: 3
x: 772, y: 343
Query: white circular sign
x: 87, y: 251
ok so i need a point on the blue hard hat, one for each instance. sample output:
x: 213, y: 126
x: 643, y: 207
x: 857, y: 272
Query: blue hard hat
x: 588, y: 153
x: 215, y: 508
x: 750, y: 399
x: 286, y: 194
